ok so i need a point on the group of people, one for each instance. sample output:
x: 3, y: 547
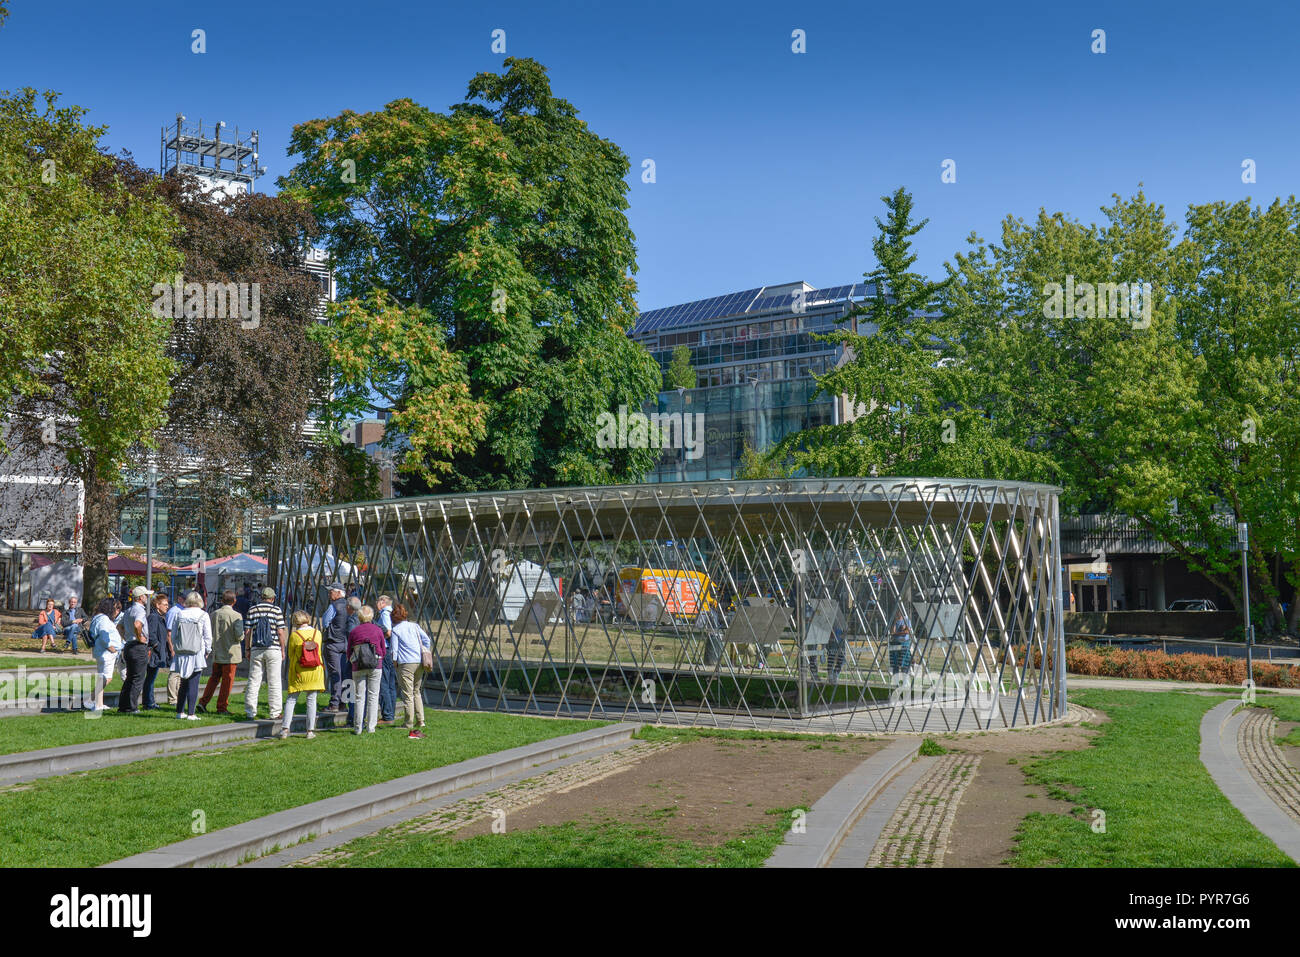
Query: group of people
x: 360, y: 655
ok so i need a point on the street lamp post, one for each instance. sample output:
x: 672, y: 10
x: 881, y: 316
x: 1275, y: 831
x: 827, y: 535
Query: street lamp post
x: 153, y: 495
x: 1243, y: 541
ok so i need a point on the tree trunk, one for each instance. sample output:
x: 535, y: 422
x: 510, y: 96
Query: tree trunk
x: 97, y: 532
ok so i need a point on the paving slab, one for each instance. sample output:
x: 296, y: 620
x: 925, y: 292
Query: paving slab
x: 831, y: 819
x: 232, y: 845
x: 1221, y: 757
x: 856, y: 848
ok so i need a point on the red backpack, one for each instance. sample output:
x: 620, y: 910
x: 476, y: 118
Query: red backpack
x: 309, y: 657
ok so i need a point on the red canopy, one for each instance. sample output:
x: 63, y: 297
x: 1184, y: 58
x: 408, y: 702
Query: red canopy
x: 126, y: 565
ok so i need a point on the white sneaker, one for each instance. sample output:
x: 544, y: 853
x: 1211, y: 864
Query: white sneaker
x: 180, y: 715
x: 191, y: 717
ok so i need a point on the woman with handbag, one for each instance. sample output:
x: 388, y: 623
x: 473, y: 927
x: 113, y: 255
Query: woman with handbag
x: 366, y: 650
x: 306, y: 671
x: 413, y: 655
x: 191, y: 646
x: 106, y: 642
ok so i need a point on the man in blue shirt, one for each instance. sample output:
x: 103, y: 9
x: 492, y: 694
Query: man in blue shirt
x: 334, y: 625
x: 388, y: 681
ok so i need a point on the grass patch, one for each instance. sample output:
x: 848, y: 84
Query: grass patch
x: 33, y: 732
x: 605, y: 844
x: 931, y: 748
x: 57, y: 660
x: 59, y: 687
x: 91, y: 818
x: 1162, y: 808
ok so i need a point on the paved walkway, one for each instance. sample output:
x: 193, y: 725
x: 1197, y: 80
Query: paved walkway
x: 1151, y: 684
x: 1256, y: 734
x: 917, y: 834
x: 1267, y: 808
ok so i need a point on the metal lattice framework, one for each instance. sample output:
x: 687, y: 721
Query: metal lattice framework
x: 734, y: 604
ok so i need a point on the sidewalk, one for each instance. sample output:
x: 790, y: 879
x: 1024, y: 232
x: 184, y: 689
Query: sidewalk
x: 1152, y: 684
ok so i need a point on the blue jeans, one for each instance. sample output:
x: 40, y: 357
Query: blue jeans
x: 388, y: 691
x: 150, y: 676
x: 70, y: 634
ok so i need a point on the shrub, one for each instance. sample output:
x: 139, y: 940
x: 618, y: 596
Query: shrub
x: 1080, y: 659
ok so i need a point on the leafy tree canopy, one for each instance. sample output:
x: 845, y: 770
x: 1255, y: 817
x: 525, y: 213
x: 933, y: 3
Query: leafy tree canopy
x: 486, y: 263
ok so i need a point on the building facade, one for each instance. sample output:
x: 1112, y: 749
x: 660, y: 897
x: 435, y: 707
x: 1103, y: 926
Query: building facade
x: 754, y: 356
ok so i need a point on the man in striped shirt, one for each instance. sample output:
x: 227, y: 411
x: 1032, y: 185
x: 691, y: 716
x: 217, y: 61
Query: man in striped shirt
x: 265, y: 633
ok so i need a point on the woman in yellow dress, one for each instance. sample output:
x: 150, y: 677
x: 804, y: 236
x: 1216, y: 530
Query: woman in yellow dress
x: 306, y: 671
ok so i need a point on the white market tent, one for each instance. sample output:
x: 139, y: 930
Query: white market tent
x: 517, y: 584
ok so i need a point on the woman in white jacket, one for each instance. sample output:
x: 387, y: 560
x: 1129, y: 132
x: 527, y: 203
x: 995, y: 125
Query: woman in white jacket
x: 105, y: 643
x: 192, y: 643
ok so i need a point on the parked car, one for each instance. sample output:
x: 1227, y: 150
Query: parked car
x: 1193, y: 604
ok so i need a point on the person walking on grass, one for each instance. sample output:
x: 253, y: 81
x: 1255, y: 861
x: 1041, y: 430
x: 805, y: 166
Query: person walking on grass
x: 388, y: 683
x: 411, y: 653
x: 135, y: 650
x: 160, y: 650
x: 227, y: 653
x: 366, y: 652
x: 106, y: 642
x: 192, y: 644
x: 265, y: 632
x: 306, y: 671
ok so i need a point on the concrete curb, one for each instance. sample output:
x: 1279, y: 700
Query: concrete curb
x: 231, y: 845
x: 855, y: 850
x: 831, y: 819
x: 48, y: 762
x: 1221, y: 758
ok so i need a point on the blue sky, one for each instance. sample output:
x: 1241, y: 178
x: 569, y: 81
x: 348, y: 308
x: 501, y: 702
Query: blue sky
x: 769, y: 164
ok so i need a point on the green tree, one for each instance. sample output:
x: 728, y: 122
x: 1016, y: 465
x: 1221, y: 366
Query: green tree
x: 681, y: 374
x: 912, y: 406
x: 486, y: 262
x: 242, y: 392
x: 80, y: 253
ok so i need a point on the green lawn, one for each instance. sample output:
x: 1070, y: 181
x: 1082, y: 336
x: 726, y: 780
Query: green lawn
x: 32, y: 732
x: 48, y: 661
x: 91, y: 818
x: 608, y: 844
x: 78, y: 684
x: 1144, y: 771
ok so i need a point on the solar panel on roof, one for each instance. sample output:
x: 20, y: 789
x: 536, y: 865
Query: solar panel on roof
x: 739, y: 303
